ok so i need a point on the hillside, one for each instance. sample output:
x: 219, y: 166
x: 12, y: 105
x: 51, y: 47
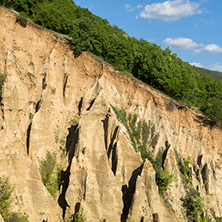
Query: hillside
x: 158, y: 68
x: 215, y: 74
x: 80, y: 140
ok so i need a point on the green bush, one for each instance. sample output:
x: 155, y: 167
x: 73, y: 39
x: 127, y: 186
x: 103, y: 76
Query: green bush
x: 5, y: 203
x: 194, y: 205
x: 5, y: 197
x: 184, y: 167
x: 22, y: 20
x: 163, y: 177
x: 164, y: 180
x: 80, y: 216
x: 2, y: 80
x: 18, y: 217
x: 51, y: 173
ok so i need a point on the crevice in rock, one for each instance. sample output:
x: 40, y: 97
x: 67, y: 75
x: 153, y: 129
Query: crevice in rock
x: 2, y: 114
x: 114, y: 159
x: 80, y: 105
x: 84, y: 187
x: 2, y: 108
x: 128, y: 193
x: 38, y: 105
x: 28, y: 137
x: 65, y: 184
x: 91, y: 104
x: 205, y: 172
x: 105, y: 128
x: 167, y: 145
x: 71, y: 143
x: 200, y: 160
x: 155, y: 217
x: 111, y: 145
x: 196, y: 169
x: 77, y: 208
x: 112, y: 151
x: 44, y: 83
x: 65, y: 80
x: 37, y: 108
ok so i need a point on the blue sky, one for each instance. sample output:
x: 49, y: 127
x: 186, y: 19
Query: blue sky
x: 191, y: 28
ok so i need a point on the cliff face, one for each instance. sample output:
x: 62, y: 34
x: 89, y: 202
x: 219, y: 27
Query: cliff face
x: 54, y: 102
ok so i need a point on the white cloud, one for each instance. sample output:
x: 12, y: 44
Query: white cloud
x: 207, y: 22
x: 139, y: 6
x: 129, y: 8
x: 197, y: 64
x: 171, y: 10
x: 151, y: 40
x: 188, y: 44
x: 217, y: 67
x: 211, y: 48
x: 180, y: 43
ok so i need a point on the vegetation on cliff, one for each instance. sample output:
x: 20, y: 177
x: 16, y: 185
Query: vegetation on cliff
x: 2, y: 80
x: 6, y: 190
x: 159, y: 68
x: 51, y: 173
x: 142, y: 137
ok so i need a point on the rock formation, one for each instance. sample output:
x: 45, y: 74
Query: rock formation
x: 54, y: 102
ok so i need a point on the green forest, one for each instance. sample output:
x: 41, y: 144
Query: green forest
x: 215, y: 74
x: 158, y: 68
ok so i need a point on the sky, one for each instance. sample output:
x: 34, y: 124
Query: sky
x: 190, y: 28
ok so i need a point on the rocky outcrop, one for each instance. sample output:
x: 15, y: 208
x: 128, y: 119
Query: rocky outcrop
x: 50, y: 96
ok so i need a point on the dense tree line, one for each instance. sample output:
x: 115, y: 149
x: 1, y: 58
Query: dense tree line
x: 159, y: 68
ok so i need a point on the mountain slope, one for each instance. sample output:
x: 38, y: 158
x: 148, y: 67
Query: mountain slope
x: 75, y: 109
x: 215, y: 74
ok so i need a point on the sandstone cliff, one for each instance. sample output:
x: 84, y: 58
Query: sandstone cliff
x: 54, y: 102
